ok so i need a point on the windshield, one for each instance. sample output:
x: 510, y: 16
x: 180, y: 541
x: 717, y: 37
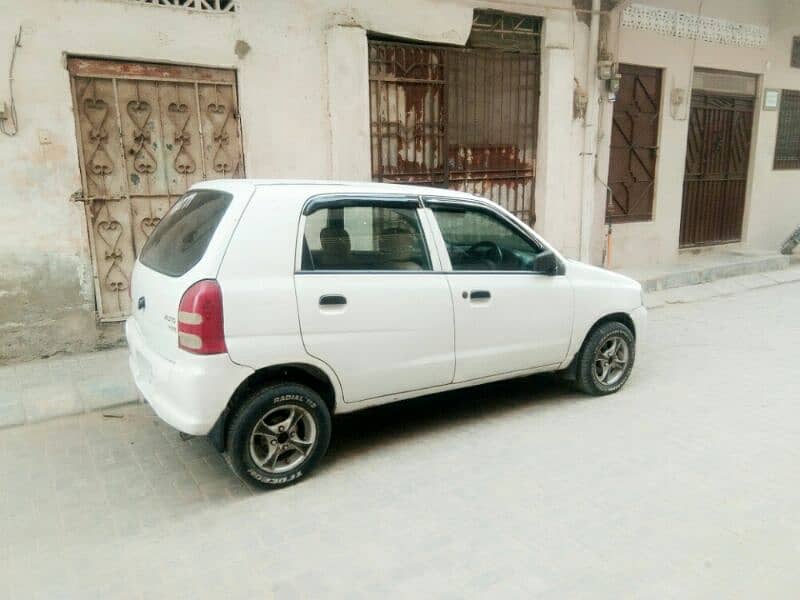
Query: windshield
x: 181, y: 238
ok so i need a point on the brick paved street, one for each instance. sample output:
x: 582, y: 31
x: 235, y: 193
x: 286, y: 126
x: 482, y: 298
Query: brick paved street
x: 684, y: 485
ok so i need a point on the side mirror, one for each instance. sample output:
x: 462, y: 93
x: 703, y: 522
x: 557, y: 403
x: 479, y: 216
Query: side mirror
x: 546, y: 263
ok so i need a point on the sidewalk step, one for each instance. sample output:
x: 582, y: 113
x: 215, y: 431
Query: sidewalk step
x: 43, y: 389
x: 721, y: 287
x: 705, y: 268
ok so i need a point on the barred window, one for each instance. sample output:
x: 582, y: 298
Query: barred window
x: 787, y: 145
x: 796, y: 51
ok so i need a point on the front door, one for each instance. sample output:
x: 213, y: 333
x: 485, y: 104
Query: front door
x: 146, y: 132
x: 717, y: 156
x: 634, y: 145
x: 507, y: 317
x: 372, y: 304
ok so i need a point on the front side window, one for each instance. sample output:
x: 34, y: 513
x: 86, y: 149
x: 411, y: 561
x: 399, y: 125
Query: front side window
x: 364, y: 238
x: 479, y: 240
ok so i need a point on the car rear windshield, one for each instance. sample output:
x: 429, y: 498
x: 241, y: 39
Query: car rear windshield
x: 181, y: 238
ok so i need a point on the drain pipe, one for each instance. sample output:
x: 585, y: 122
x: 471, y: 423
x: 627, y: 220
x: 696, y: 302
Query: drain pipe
x: 588, y: 155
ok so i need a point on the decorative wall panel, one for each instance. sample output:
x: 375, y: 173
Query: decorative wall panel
x: 678, y: 24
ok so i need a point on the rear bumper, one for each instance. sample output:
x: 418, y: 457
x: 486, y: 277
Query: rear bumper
x: 189, y: 394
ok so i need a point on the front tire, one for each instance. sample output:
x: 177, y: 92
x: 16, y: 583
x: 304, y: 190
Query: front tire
x: 279, y: 435
x: 606, y: 359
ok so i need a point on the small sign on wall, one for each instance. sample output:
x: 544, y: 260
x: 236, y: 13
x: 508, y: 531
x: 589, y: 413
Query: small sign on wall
x: 772, y: 98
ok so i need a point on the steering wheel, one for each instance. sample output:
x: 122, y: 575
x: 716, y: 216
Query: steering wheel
x: 486, y: 250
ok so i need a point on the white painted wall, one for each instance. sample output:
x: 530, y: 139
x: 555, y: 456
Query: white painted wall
x: 303, y: 94
x: 772, y: 207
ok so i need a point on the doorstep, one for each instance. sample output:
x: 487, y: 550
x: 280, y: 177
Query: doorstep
x: 705, y: 267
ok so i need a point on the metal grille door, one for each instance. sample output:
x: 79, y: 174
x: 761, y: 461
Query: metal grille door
x: 717, y: 156
x: 145, y: 133
x: 634, y: 145
x: 459, y: 118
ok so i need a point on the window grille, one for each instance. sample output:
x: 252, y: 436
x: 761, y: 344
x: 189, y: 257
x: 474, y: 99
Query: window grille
x: 796, y: 52
x: 505, y: 31
x: 787, y: 145
x: 220, y: 6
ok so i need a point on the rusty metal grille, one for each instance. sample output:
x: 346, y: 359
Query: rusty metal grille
x: 717, y: 156
x: 787, y: 143
x: 634, y: 145
x: 146, y: 132
x: 462, y: 118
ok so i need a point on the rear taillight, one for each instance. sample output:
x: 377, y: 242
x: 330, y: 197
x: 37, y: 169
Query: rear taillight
x: 200, y: 328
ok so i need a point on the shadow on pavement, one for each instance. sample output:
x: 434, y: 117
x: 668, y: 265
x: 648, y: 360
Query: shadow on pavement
x: 374, y: 428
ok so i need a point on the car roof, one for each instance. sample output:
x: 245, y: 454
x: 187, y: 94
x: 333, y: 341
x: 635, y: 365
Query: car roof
x: 312, y: 187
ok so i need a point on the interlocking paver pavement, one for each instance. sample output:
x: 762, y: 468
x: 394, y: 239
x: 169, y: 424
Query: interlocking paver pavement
x: 684, y: 485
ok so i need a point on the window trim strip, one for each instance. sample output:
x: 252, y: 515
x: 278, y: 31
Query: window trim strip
x: 316, y: 203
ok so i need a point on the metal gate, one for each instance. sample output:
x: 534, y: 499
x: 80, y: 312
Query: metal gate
x: 717, y: 156
x: 634, y: 145
x: 146, y: 132
x: 463, y: 118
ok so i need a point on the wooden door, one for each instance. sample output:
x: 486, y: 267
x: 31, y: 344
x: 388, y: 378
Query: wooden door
x: 146, y: 132
x: 634, y: 145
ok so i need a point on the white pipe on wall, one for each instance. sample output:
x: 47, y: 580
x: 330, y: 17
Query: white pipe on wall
x: 589, y: 154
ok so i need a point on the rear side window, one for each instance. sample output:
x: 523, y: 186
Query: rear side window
x: 181, y: 238
x: 364, y: 238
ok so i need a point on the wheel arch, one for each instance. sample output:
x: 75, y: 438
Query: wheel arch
x: 615, y: 317
x: 301, y: 373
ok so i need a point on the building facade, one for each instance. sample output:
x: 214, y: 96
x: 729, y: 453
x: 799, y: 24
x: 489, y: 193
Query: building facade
x: 625, y: 132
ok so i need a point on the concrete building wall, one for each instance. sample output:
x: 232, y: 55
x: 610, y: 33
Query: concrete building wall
x: 303, y: 97
x: 304, y: 102
x: 772, y: 206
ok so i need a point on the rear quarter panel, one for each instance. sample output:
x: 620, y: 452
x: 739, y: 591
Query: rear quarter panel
x: 257, y: 279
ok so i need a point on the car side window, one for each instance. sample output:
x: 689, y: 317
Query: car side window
x: 364, y: 238
x: 479, y: 240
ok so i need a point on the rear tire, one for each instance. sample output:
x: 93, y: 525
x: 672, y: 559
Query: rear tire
x: 278, y: 435
x: 606, y: 359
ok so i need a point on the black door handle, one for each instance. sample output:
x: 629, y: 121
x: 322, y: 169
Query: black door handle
x: 332, y: 300
x: 479, y: 295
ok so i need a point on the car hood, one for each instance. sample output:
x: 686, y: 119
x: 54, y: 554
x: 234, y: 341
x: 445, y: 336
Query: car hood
x: 578, y: 270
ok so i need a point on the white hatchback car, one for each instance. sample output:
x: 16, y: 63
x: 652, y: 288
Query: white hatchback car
x: 260, y: 308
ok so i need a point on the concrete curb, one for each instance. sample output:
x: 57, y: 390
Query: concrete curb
x: 54, y: 387
x: 697, y: 270
x: 722, y: 287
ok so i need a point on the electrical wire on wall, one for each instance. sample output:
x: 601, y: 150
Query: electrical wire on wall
x: 673, y: 109
x: 11, y: 118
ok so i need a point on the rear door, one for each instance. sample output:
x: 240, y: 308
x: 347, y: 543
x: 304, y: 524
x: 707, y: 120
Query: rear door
x: 508, y: 318
x: 372, y: 300
x: 184, y: 248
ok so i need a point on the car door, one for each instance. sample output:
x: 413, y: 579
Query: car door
x: 373, y: 302
x: 508, y: 317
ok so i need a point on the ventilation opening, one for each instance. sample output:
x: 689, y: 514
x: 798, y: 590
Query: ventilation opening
x: 205, y: 5
x: 721, y: 82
